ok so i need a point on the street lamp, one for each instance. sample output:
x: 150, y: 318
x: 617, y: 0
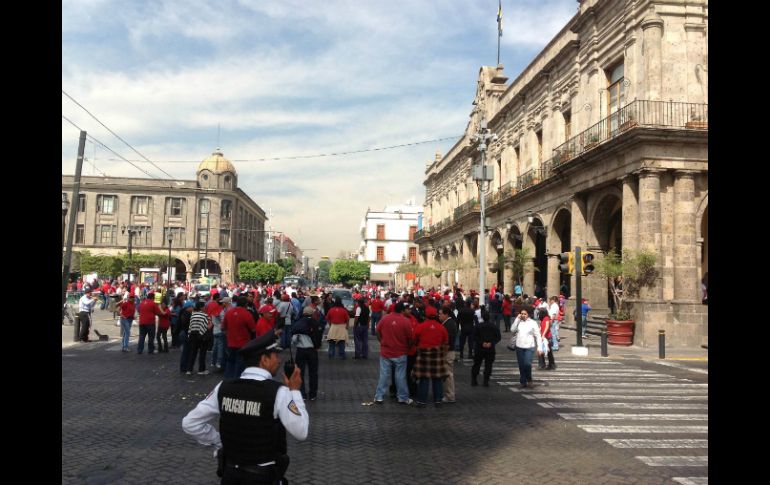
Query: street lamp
x: 536, y: 229
x: 131, y: 231
x: 482, y: 175
x: 170, y: 240
x: 65, y: 204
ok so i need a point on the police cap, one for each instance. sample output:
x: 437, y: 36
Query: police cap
x: 263, y: 344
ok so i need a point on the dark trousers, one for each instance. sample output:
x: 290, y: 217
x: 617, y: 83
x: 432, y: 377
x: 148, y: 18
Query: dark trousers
x: 308, y: 359
x: 507, y: 321
x: 198, y: 345
x: 361, y: 339
x: 541, y: 358
x: 174, y: 334
x: 85, y: 325
x: 184, y: 359
x: 162, y: 332
x: 234, y: 365
x: 148, y: 332
x: 488, y: 356
x: 466, y: 334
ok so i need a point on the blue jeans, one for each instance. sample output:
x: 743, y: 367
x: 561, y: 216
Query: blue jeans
x: 422, y: 390
x: 339, y: 344
x: 361, y: 339
x: 149, y: 332
x: 286, y: 337
x: 555, y: 334
x: 125, y: 326
x: 524, y: 357
x: 234, y: 365
x: 218, y: 350
x: 375, y: 318
x: 386, y: 364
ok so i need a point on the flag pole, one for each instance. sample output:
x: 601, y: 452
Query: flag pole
x: 499, y: 27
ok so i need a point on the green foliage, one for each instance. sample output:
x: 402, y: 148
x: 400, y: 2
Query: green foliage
x: 627, y: 274
x: 521, y: 263
x: 287, y: 264
x: 349, y: 272
x: 114, y: 266
x: 258, y: 271
x: 324, y: 266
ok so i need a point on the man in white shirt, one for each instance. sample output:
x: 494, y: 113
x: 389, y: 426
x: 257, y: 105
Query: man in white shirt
x: 85, y: 309
x: 553, y: 313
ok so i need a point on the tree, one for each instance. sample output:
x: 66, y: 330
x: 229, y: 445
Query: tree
x: 287, y: 264
x: 349, y: 272
x: 258, y: 271
x: 102, y: 265
x: 324, y: 266
x: 627, y: 274
x: 521, y: 262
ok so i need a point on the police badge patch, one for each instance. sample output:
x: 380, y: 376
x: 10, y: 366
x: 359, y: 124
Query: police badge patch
x: 293, y: 408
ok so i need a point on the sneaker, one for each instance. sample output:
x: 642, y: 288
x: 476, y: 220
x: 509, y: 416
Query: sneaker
x: 188, y: 373
x: 407, y: 402
x: 445, y: 400
x: 204, y: 373
x: 378, y: 402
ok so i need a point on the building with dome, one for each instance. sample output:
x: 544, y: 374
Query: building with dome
x: 211, y: 224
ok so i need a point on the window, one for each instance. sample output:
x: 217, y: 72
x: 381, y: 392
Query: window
x: 412, y: 230
x: 81, y: 202
x: 203, y: 240
x: 174, y: 206
x: 80, y: 234
x: 106, y: 235
x: 380, y: 253
x: 567, y: 125
x: 539, y: 136
x: 227, y: 209
x: 224, y: 239
x: 141, y: 205
x: 177, y: 234
x: 106, y: 204
x: 143, y: 236
x: 204, y: 206
x: 616, y: 95
x: 380, y: 232
x: 412, y: 255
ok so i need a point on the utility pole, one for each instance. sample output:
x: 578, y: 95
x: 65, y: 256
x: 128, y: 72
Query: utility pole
x: 482, y: 174
x: 73, y: 216
x: 578, y: 296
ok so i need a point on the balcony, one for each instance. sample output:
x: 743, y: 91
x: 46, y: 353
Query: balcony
x: 656, y: 114
x: 467, y: 208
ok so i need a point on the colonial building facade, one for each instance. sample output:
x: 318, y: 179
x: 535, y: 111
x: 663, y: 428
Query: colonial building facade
x: 212, y: 224
x: 603, y: 139
x: 387, y: 240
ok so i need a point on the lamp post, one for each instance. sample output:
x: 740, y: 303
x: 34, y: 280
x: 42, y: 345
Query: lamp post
x: 168, y: 269
x: 131, y: 231
x: 481, y: 174
x: 65, y: 204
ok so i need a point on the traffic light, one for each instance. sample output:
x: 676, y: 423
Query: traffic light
x: 567, y: 262
x: 587, y: 263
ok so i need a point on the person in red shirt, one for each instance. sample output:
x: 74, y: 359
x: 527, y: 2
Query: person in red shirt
x: 545, y: 332
x: 395, y: 334
x: 148, y: 309
x: 164, y: 322
x: 127, y: 312
x: 238, y: 326
x: 432, y: 344
x: 339, y: 321
x: 507, y: 312
x: 376, y: 307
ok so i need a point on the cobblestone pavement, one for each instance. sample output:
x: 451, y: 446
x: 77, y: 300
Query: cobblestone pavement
x: 122, y: 412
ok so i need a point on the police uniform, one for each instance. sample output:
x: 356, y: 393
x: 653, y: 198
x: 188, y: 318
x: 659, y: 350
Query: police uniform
x: 255, y: 412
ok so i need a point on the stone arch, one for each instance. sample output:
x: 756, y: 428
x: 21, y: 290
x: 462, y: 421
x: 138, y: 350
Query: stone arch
x: 211, y: 265
x: 606, y: 221
x: 536, y: 239
x: 560, y: 241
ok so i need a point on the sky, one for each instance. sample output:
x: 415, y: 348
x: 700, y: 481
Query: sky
x: 266, y: 79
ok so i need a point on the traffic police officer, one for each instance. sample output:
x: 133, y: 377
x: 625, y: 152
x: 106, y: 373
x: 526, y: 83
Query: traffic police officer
x: 486, y: 337
x: 254, y: 414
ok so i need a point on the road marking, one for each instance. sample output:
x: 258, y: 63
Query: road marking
x: 682, y: 366
x: 674, y: 460
x: 586, y: 373
x: 567, y: 397
x: 621, y: 405
x: 568, y: 361
x: 590, y: 428
x: 645, y: 443
x: 636, y: 417
x: 692, y: 480
x: 629, y: 392
x: 634, y: 384
x: 644, y: 379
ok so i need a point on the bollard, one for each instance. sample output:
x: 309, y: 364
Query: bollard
x: 661, y: 344
x: 76, y: 337
x: 604, y: 343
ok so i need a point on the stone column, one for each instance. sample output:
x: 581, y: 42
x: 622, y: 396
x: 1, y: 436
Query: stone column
x: 653, y: 33
x: 630, y: 212
x: 686, y: 280
x: 507, y: 271
x: 553, y: 276
x: 579, y: 214
x: 650, y: 237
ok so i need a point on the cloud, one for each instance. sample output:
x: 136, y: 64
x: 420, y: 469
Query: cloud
x: 285, y: 79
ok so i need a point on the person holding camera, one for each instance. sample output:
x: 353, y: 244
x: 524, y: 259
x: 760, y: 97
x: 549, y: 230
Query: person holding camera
x: 255, y: 412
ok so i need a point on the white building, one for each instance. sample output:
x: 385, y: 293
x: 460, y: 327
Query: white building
x: 387, y: 239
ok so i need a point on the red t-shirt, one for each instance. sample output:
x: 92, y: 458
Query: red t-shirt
x: 543, y: 322
x: 238, y: 322
x: 127, y: 309
x: 264, y: 325
x: 430, y: 333
x: 377, y: 305
x: 507, y: 308
x: 337, y: 315
x: 164, y: 319
x: 396, y: 334
x: 147, y: 311
x: 213, y: 308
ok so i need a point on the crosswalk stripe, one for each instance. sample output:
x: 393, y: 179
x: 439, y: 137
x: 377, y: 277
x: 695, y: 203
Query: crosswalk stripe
x: 634, y: 384
x: 636, y: 417
x: 561, y: 390
x: 622, y: 379
x: 590, y: 362
x: 611, y: 396
x: 587, y: 374
x: 602, y: 371
x: 620, y: 405
x: 591, y: 428
x: 680, y: 366
x: 692, y: 480
x: 645, y: 443
x: 674, y: 460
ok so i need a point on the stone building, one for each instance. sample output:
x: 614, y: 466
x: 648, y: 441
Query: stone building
x: 211, y: 222
x: 604, y: 138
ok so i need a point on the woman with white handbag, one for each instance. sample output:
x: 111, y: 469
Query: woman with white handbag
x: 528, y: 341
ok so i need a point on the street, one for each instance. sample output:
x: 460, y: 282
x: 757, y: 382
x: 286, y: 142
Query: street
x: 593, y: 420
